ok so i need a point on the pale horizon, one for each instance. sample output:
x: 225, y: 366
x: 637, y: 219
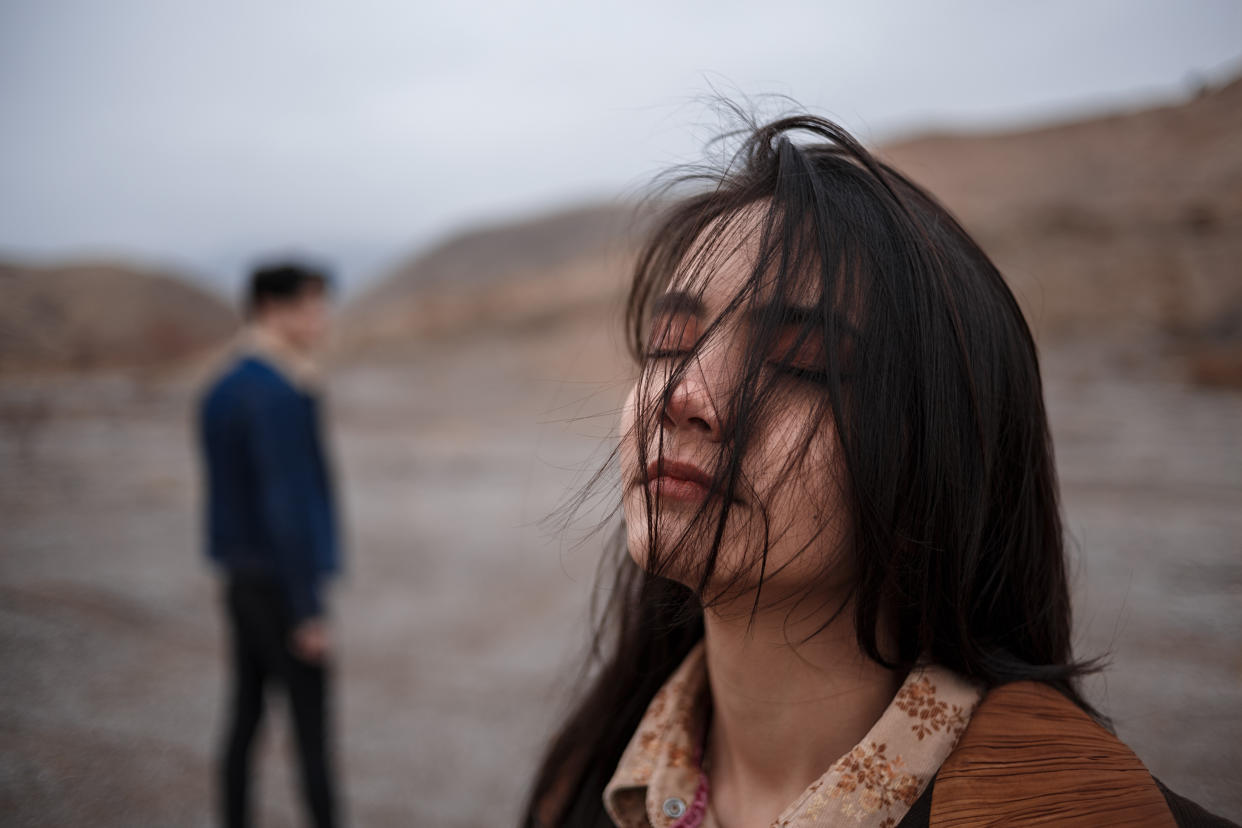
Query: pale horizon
x: 201, y: 138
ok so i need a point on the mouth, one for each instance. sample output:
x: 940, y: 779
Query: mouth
x: 677, y: 481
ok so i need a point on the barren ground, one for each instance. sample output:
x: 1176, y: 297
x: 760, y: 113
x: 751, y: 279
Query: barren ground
x: 461, y: 613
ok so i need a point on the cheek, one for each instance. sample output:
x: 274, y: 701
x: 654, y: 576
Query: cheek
x: 312, y: 317
x: 798, y: 481
x: 772, y: 465
x: 628, y: 446
x: 633, y: 433
x: 633, y: 501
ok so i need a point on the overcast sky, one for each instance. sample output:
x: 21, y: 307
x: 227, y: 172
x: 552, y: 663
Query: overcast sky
x: 203, y: 134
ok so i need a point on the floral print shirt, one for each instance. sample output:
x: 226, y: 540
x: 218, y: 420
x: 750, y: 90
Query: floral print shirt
x: 659, y: 782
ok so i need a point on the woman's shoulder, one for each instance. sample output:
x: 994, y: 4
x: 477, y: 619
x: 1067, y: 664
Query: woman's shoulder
x: 1029, y: 752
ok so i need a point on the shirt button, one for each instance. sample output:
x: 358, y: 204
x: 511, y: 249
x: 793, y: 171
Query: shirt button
x: 674, y: 807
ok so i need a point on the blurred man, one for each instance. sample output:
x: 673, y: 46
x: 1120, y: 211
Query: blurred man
x: 272, y: 528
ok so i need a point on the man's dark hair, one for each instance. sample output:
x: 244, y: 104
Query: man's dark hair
x: 284, y: 281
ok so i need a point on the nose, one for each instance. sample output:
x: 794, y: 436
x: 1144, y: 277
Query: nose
x: 690, y: 405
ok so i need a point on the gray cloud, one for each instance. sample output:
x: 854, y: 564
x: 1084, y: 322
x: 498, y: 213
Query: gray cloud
x: 204, y: 133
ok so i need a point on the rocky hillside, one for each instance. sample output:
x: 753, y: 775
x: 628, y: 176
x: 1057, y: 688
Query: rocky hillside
x: 523, y: 274
x: 89, y: 316
x: 1128, y: 224
x: 1126, y: 227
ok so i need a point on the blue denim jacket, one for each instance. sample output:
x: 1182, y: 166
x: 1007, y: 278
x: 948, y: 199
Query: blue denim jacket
x: 269, y: 494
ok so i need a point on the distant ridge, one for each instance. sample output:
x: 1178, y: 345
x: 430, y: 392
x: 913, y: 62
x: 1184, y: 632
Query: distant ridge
x: 1125, y: 226
x: 486, y: 253
x: 500, y: 274
x: 103, y: 315
x: 1127, y: 223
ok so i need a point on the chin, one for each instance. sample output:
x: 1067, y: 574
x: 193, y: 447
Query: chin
x: 685, y: 567
x: 638, y: 552
x: 634, y: 513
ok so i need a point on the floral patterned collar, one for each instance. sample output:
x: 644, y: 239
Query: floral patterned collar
x: 659, y: 784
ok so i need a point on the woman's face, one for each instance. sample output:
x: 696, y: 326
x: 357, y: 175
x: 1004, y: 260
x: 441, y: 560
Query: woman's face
x: 787, y: 496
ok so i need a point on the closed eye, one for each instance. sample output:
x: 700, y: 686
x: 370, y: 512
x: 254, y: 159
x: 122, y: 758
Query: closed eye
x: 799, y: 355
x: 672, y: 335
x: 816, y: 376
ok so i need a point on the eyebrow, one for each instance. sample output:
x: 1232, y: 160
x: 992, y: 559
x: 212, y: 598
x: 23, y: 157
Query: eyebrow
x: 800, y: 316
x: 678, y: 301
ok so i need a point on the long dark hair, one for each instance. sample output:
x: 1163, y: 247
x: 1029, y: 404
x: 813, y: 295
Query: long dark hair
x: 928, y: 378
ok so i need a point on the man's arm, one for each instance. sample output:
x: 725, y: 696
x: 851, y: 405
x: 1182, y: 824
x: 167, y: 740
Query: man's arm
x: 283, y: 442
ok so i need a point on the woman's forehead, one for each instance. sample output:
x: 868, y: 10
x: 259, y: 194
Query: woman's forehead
x: 731, y: 263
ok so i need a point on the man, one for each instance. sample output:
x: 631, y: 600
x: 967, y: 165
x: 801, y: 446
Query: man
x: 272, y: 528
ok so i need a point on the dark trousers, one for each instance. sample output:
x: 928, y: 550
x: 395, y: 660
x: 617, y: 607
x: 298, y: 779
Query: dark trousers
x: 260, y: 625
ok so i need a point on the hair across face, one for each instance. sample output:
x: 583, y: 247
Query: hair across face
x: 732, y: 341
x: 856, y: 388
x: 838, y: 412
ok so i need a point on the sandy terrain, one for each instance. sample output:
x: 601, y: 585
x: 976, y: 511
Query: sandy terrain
x: 461, y: 614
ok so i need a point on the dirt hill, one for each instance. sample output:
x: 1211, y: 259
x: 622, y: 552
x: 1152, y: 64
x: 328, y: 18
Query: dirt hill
x: 523, y: 274
x: 1128, y: 224
x: 1126, y: 227
x: 88, y: 316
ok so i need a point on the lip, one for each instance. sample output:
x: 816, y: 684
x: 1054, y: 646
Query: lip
x: 675, y: 480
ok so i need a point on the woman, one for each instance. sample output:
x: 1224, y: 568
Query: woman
x: 842, y: 598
